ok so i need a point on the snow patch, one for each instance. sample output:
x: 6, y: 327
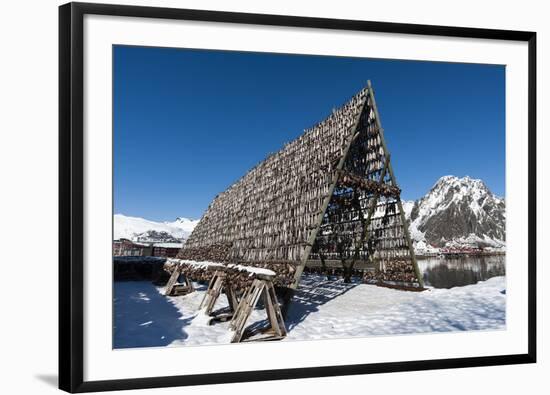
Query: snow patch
x: 320, y: 309
x: 454, y: 191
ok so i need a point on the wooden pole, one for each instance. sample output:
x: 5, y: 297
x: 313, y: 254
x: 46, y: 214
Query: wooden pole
x: 365, y: 235
x: 394, y: 182
x: 313, y: 234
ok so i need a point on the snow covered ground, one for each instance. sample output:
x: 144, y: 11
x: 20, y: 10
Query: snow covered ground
x: 321, y: 309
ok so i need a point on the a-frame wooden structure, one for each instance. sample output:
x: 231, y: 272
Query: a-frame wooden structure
x: 252, y: 285
x: 330, y: 194
x: 362, y: 218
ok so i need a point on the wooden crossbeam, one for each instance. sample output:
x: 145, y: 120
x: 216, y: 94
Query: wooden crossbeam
x: 365, y: 236
x: 174, y: 289
x: 378, y: 188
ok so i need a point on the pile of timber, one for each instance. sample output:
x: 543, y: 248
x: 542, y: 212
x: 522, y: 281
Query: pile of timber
x: 396, y: 271
x: 193, y: 269
x: 349, y: 180
x: 210, y: 253
x: 283, y: 272
x: 239, y: 276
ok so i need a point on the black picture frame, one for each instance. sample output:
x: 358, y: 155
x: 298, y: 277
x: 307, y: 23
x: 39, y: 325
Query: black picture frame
x: 71, y: 180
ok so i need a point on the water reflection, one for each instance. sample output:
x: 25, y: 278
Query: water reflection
x: 448, y: 273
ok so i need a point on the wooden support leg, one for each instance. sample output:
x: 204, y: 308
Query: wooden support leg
x: 231, y: 298
x: 240, y: 307
x: 248, y: 305
x: 189, y: 284
x: 280, y: 322
x: 245, y: 308
x: 173, y: 279
x: 270, y: 310
x: 183, y: 289
x: 209, y: 291
x: 214, y: 294
x: 266, y: 290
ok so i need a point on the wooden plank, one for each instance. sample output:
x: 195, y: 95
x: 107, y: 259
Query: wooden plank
x: 207, y: 293
x: 271, y: 316
x: 240, y: 307
x: 210, y: 290
x: 214, y: 294
x: 244, y: 313
x: 231, y: 297
x: 278, y: 314
x: 173, y: 278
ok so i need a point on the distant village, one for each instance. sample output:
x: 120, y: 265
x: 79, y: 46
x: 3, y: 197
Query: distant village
x: 126, y: 247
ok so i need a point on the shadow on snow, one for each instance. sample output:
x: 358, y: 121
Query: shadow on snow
x: 313, y: 291
x: 143, y: 317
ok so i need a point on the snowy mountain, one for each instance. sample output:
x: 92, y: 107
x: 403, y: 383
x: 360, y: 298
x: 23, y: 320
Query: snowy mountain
x: 139, y: 229
x: 457, y: 212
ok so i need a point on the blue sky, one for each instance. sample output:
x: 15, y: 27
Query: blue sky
x: 188, y: 123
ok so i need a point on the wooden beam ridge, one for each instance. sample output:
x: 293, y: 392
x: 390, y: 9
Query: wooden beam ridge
x: 318, y: 222
x: 349, y: 230
x: 404, y: 221
x: 365, y: 235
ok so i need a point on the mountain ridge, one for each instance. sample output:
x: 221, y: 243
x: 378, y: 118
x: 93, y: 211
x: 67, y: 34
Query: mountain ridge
x: 140, y: 229
x: 458, y: 212
x: 455, y: 212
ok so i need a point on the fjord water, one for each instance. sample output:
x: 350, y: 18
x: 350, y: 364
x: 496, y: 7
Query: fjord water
x: 447, y: 273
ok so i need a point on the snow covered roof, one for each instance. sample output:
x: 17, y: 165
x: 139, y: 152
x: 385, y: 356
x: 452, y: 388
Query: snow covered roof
x: 251, y: 270
x: 196, y: 264
x: 168, y: 245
